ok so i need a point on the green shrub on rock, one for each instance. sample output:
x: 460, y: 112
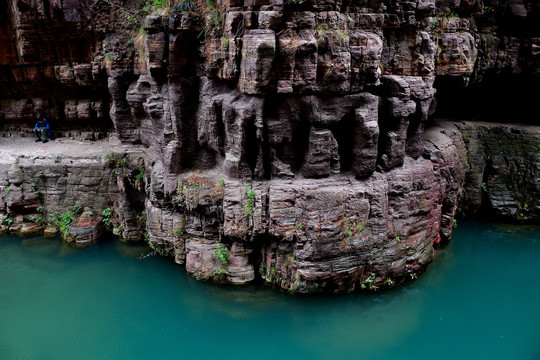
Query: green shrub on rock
x: 221, y: 254
x: 106, y: 214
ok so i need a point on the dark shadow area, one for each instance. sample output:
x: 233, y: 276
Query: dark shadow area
x: 267, y: 162
x: 251, y: 148
x: 344, y: 134
x: 506, y: 98
x: 299, y: 144
x: 220, y: 129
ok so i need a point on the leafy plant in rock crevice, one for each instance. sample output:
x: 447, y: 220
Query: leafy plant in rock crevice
x: 250, y: 202
x: 273, y: 276
x: 450, y: 15
x: 484, y: 187
x: 120, y: 164
x: 210, y: 13
x: 351, y: 228
x: 36, y: 191
x: 225, y: 44
x: 106, y: 217
x: 41, y: 220
x: 220, y: 273
x: 63, y: 221
x: 262, y: 269
x: 221, y: 254
x: 109, y: 159
x: 368, y: 282
x: 139, y: 175
x: 7, y: 191
x: 522, y: 211
x: 180, y: 228
x: 115, y: 163
x: 141, y: 218
x: 6, y: 220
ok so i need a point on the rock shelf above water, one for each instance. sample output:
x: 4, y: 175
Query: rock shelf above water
x: 335, y: 234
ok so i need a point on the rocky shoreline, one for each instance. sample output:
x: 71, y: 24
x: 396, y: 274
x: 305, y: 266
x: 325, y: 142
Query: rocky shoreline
x: 336, y: 234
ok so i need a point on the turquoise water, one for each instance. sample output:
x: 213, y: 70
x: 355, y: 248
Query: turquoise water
x: 479, y: 300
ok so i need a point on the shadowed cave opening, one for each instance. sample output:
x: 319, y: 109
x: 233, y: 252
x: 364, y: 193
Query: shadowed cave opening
x: 251, y: 147
x: 300, y: 144
x: 220, y: 129
x: 344, y: 134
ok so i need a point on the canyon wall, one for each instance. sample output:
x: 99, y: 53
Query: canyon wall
x: 272, y: 138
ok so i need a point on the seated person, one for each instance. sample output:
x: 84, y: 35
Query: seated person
x: 42, y: 130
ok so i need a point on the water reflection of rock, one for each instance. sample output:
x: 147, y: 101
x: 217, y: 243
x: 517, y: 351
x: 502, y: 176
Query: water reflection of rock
x: 375, y: 322
x: 41, y: 245
x: 234, y: 302
x: 44, y: 252
x: 517, y: 231
x: 67, y: 250
x: 131, y: 249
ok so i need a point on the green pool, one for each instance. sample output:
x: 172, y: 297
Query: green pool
x: 479, y: 300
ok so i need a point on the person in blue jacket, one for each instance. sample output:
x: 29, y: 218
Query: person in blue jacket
x: 42, y: 130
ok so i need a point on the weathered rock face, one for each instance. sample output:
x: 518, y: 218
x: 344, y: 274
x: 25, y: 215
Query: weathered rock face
x: 281, y: 139
x: 503, y: 170
x: 48, y: 66
x: 335, y: 234
x: 59, y: 58
x: 71, y: 189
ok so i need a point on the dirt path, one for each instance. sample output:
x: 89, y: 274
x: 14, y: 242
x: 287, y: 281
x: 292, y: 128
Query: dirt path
x: 12, y: 148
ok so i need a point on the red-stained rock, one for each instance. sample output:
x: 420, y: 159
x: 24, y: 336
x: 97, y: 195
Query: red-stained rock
x: 30, y: 228
x: 85, y: 230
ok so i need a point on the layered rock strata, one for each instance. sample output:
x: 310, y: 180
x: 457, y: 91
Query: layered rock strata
x: 70, y: 184
x: 336, y: 234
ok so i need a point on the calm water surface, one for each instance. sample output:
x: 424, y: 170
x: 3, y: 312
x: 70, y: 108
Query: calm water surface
x: 479, y: 300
